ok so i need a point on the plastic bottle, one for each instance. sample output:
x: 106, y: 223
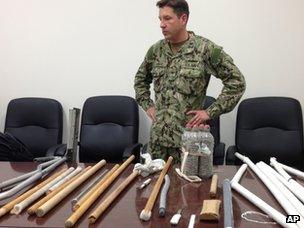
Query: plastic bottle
x: 205, y: 162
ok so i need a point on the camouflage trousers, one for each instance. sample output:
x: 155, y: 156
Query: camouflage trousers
x: 162, y: 152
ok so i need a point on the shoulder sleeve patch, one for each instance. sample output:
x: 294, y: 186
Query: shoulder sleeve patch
x: 215, y: 55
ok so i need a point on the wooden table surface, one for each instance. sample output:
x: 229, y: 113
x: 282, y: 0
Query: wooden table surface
x: 125, y: 210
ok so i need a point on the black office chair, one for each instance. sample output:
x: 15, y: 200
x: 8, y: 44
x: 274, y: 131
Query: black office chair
x: 109, y: 129
x: 269, y: 127
x: 37, y: 123
x: 219, y: 147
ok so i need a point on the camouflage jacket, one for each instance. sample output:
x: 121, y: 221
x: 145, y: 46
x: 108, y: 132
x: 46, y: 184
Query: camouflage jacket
x: 180, y: 82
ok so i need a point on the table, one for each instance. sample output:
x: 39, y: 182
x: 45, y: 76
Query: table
x: 125, y: 210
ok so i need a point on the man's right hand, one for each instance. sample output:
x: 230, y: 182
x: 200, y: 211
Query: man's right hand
x: 151, y: 113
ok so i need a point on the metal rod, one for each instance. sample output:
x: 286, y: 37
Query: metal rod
x: 228, y: 207
x: 37, y: 175
x: 90, y: 185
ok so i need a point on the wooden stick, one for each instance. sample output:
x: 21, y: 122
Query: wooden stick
x: 88, y: 194
x: 213, y: 186
x: 19, y: 207
x: 9, y: 206
x: 147, y: 211
x: 65, y: 179
x: 84, y: 206
x: 106, y: 203
x: 47, y: 206
x: 34, y: 207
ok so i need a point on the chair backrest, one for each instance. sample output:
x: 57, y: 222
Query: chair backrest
x: 36, y: 122
x: 214, y: 123
x: 270, y: 126
x: 109, y: 124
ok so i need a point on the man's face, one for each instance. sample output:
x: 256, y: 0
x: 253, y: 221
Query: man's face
x: 170, y: 23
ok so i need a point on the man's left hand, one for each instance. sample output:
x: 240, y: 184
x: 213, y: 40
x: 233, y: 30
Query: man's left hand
x: 199, y: 118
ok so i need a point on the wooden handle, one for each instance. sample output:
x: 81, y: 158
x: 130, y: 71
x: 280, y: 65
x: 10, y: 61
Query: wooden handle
x: 34, y: 207
x: 157, y: 186
x: 213, y: 186
x: 7, y: 207
x: 85, y: 205
x: 106, y: 203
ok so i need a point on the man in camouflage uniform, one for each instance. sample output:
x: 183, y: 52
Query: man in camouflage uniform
x: 180, y: 67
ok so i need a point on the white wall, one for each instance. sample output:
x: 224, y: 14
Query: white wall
x: 71, y: 49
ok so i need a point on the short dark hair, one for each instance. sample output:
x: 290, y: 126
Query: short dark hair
x: 179, y: 6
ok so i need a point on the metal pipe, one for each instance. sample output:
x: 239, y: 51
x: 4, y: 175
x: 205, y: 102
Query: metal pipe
x: 25, y: 176
x: 47, y: 164
x: 37, y: 175
x: 228, y: 208
x: 17, y: 179
x: 45, y: 159
x: 53, y: 166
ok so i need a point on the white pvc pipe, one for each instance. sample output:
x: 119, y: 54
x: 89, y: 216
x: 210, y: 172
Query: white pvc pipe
x: 239, y: 173
x: 283, y: 189
x: 293, y: 171
x: 273, y: 213
x: 283, y: 201
x: 279, y: 169
x: 66, y: 178
x: 18, y: 208
x: 299, y: 188
x: 290, y: 185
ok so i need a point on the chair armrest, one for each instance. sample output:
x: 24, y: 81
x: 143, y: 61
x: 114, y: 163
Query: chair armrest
x: 57, y: 150
x: 219, y: 154
x: 230, y: 157
x: 132, y: 149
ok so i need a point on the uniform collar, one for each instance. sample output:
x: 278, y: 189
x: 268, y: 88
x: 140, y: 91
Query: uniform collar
x: 187, y: 48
